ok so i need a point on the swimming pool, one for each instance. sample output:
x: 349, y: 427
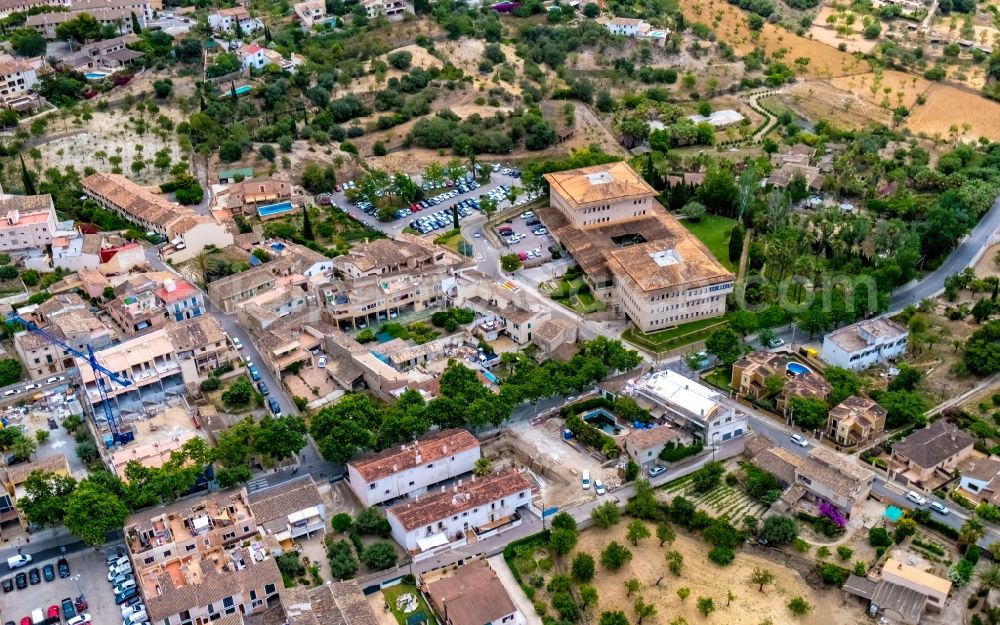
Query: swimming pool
x: 241, y: 90
x: 489, y: 376
x: 274, y: 209
x: 96, y: 75
x: 797, y: 368
x: 604, y: 421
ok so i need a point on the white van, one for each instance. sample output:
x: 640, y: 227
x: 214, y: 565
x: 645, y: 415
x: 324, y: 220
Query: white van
x: 17, y: 561
x: 586, y: 480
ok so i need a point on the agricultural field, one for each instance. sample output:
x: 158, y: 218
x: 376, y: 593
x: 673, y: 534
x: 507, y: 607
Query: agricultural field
x: 735, y: 600
x: 723, y: 501
x: 948, y: 110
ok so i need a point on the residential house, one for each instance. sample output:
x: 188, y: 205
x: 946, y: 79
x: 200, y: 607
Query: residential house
x: 231, y: 20
x: 644, y: 445
x: 333, y: 603
x: 809, y: 384
x: 188, y: 232
x: 895, y: 603
x: 119, y: 18
x: 929, y: 454
x: 14, y: 481
x: 310, y: 12
x: 108, y: 53
x: 18, y: 78
x: 637, y: 29
x: 201, y: 558
x: 291, y: 266
x: 693, y: 406
x: 752, y: 370
x: 393, y: 10
x: 23, y: 6
x: 201, y: 346
x: 902, y: 574
x: 181, y: 299
x: 29, y: 223
x: 413, y: 468
x: 553, y: 334
x: 473, y: 595
x: 388, y: 256
x: 247, y: 195
x: 290, y: 510
x: 865, y: 344
x: 73, y: 253
x: 118, y: 257
x: 252, y: 57
x: 979, y: 481
x: 855, y: 420
x: 226, y: 292
x: 66, y: 317
x: 665, y: 278
x: 497, y: 310
x: 482, y: 506
x: 822, y: 476
x: 145, y: 303
x: 290, y: 340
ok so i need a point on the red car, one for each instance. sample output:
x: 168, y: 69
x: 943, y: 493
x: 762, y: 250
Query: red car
x: 53, y: 611
x: 336, y: 188
x: 522, y: 256
x: 415, y: 207
x: 26, y: 620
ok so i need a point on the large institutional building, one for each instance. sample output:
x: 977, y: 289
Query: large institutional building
x: 638, y: 259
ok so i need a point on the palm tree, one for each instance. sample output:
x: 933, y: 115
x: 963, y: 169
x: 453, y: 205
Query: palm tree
x: 205, y: 264
x: 971, y: 532
x: 989, y: 578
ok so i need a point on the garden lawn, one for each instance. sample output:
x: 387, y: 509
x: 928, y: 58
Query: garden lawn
x: 720, y: 377
x: 392, y: 592
x: 714, y: 231
x: 673, y: 338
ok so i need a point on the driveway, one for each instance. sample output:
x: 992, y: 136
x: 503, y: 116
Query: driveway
x: 514, y: 589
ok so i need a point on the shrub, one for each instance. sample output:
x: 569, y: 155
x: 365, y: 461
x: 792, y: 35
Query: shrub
x: 371, y: 522
x: 779, y: 530
x: 721, y: 555
x: 799, y: 606
x: 342, y: 522
x: 833, y: 574
x: 379, y: 555
x: 605, y: 515
x: 675, y: 452
x: 879, y: 537
x: 844, y: 553
x: 615, y: 556
x: 961, y: 573
x: 860, y: 568
x: 583, y: 567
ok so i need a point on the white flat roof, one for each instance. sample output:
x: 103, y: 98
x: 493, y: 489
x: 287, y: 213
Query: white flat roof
x: 673, y: 388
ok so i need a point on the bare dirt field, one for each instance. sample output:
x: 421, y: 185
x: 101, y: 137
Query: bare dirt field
x: 886, y: 89
x: 822, y: 31
x: 749, y: 606
x: 947, y: 105
x: 730, y: 24
x: 818, y: 99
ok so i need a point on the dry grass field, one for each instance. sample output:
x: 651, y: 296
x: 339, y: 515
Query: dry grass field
x: 704, y: 579
x: 947, y: 106
x: 729, y: 22
x: 892, y: 87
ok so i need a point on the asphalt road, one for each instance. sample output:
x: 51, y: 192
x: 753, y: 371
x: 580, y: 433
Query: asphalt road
x: 233, y: 329
x: 967, y: 252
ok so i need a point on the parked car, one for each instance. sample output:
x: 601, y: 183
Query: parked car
x: 126, y: 604
x: 237, y: 343
x: 799, y: 440
x: 254, y: 374
x: 54, y: 611
x: 656, y: 470
x: 8, y: 585
x: 275, y: 407
x: 49, y: 572
x: 916, y: 498
x: 263, y: 388
x: 19, y: 560
x: 321, y: 362
x: 940, y: 508
x: 67, y: 608
x: 63, y: 567
x: 34, y: 577
x: 80, y: 619
x: 586, y: 479
x: 124, y: 596
x: 21, y: 580
x: 114, y: 557
x: 599, y: 487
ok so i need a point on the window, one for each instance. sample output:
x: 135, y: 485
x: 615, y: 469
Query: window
x: 189, y: 548
x: 520, y: 496
x: 430, y: 466
x: 149, y: 560
x: 167, y: 554
x: 269, y: 588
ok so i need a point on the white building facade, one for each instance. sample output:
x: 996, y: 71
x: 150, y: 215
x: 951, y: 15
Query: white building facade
x: 700, y: 408
x: 865, y: 344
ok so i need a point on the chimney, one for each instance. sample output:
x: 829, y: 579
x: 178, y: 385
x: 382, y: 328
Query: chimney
x: 419, y: 458
x: 170, y: 285
x: 13, y: 217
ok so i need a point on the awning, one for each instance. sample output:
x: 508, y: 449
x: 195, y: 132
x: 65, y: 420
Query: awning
x: 302, y: 515
x: 437, y: 540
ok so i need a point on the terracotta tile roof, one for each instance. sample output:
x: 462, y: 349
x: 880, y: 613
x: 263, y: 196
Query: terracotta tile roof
x: 932, y: 445
x: 429, y: 448
x: 646, y: 439
x: 837, y: 473
x: 611, y: 182
x: 808, y: 385
x: 337, y: 603
x: 472, y: 595
x: 182, y: 290
x: 284, y: 499
x: 384, y: 253
x: 134, y: 200
x: 237, y: 283
x: 18, y: 473
x: 200, y: 331
x: 471, y: 494
x: 982, y: 469
x: 779, y: 462
x: 25, y: 203
x: 860, y: 410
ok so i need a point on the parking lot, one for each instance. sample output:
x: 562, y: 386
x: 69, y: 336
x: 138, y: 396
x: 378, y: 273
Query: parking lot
x: 88, y: 575
x: 534, y: 247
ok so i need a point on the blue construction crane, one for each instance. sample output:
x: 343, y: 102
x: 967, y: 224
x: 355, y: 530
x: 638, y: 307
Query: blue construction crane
x: 99, y: 370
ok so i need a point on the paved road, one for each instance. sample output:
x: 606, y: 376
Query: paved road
x: 967, y: 253
x: 233, y: 329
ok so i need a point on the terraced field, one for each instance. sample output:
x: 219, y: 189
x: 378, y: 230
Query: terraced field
x: 723, y: 501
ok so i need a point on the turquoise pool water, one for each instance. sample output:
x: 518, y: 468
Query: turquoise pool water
x: 95, y: 75
x: 241, y: 90
x: 489, y: 376
x: 604, y: 421
x: 274, y: 209
x: 797, y: 368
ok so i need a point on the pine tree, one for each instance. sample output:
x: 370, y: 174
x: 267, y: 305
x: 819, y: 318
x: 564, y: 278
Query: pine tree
x: 232, y: 94
x: 29, y: 184
x: 267, y: 34
x: 136, y: 28
x: 307, y: 230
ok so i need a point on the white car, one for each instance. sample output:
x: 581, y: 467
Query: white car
x: 80, y: 619
x: 321, y: 362
x: 916, y: 498
x: 237, y: 343
x: 32, y: 386
x: 54, y: 379
x: 599, y: 487
x: 799, y: 440
x: 11, y: 392
x: 940, y: 508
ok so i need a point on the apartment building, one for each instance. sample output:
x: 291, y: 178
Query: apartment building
x: 636, y: 258
x: 333, y: 603
x: 68, y: 318
x: 292, y: 267
x: 146, y: 303
x: 29, y: 223
x: 864, y: 344
x: 226, y: 20
x: 693, y: 406
x: 201, y: 558
x: 855, y: 420
x: 188, y: 232
x: 45, y: 24
x: 393, y: 10
x: 413, y: 468
x: 18, y: 77
x: 498, y: 309
x: 23, y: 6
x: 388, y: 256
x: 482, y: 506
x: 201, y: 346
x: 310, y: 13
x: 290, y: 510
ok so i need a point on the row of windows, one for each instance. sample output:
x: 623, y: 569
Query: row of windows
x: 682, y: 317
x: 600, y: 220
x: 597, y: 209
